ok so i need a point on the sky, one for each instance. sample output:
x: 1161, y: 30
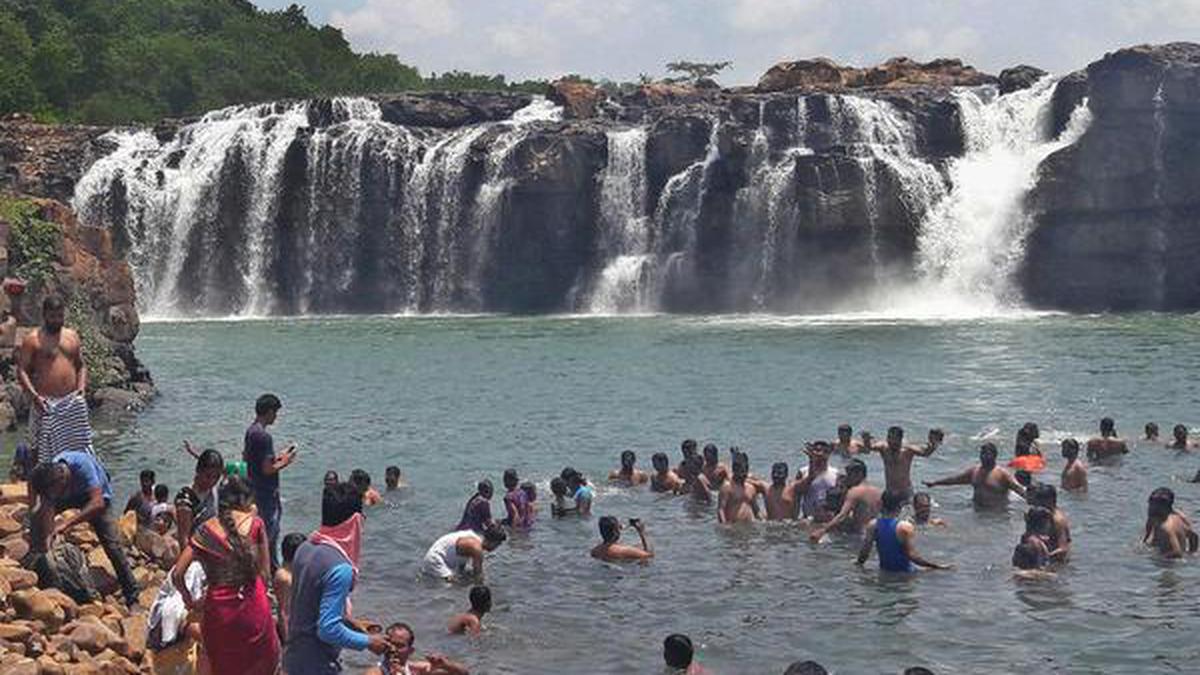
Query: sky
x: 620, y: 39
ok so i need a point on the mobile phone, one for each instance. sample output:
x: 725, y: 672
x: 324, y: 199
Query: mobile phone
x: 634, y: 522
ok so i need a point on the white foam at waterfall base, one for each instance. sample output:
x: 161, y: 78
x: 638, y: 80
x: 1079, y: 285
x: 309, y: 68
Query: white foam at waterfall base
x: 972, y: 241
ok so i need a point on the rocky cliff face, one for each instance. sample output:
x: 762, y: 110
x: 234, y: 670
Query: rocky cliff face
x: 43, y: 244
x: 1117, y: 214
x: 819, y: 187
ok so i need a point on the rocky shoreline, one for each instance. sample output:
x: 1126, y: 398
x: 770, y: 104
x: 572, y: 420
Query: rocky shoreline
x: 46, y: 632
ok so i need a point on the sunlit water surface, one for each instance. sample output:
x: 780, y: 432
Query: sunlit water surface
x: 452, y: 400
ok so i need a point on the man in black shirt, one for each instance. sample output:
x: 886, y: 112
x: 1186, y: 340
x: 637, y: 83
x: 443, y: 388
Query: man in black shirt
x: 263, y: 467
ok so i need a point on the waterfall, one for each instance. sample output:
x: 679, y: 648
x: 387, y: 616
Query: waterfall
x: 972, y: 240
x: 255, y: 210
x: 623, y: 284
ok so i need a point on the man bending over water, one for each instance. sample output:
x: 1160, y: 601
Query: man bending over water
x: 893, y: 538
x: 1107, y: 445
x: 664, y: 478
x: 781, y: 494
x: 610, y: 550
x: 737, y: 501
x: 628, y: 474
x: 991, y: 483
x: 898, y: 459
x: 1075, y: 473
x: 861, y: 504
x: 1168, y: 530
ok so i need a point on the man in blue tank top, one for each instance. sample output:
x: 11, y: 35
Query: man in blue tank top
x: 893, y: 538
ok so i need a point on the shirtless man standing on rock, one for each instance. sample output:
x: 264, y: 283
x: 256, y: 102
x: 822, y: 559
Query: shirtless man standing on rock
x: 51, y: 370
x: 990, y: 482
x: 737, y: 500
x: 898, y: 459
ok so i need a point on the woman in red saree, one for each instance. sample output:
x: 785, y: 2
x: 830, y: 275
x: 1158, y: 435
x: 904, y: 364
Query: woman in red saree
x: 236, y: 622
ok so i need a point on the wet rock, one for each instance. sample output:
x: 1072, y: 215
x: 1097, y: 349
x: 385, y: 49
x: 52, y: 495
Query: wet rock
x: 1068, y: 94
x: 1019, y: 77
x: 444, y: 110
x: 101, y: 570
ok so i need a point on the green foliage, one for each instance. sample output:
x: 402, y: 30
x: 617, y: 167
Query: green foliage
x: 695, y: 71
x: 98, y: 355
x: 32, y: 242
x: 121, y: 61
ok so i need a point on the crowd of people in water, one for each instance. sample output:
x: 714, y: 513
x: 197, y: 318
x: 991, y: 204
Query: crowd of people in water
x: 272, y: 600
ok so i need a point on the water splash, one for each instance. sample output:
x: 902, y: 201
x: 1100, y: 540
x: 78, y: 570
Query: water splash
x: 972, y: 241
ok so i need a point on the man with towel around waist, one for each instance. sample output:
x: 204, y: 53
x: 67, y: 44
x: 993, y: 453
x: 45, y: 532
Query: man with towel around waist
x: 51, y: 370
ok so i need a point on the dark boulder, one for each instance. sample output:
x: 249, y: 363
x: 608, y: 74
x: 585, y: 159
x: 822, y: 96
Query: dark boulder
x: 450, y: 109
x: 1019, y: 77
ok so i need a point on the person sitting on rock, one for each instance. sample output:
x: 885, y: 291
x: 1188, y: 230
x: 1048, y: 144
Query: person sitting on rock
x: 77, y: 480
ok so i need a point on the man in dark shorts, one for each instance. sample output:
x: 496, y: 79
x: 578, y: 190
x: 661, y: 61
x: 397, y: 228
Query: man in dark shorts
x: 263, y: 467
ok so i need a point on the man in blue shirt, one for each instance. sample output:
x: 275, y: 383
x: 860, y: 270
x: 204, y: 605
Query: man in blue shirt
x: 323, y: 572
x: 77, y: 480
x: 263, y: 467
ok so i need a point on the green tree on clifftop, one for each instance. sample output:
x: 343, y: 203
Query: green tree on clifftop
x: 117, y: 61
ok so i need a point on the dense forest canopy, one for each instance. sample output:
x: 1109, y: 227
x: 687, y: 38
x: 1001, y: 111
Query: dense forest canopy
x: 119, y: 61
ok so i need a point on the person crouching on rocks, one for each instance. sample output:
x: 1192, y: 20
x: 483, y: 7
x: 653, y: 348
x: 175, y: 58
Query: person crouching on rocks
x: 77, y: 480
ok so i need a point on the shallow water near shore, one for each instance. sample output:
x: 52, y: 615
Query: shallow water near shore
x: 455, y: 399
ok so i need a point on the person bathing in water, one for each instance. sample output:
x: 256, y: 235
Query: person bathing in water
x: 1151, y: 433
x: 1167, y: 530
x: 714, y: 470
x: 1075, y: 473
x: 694, y: 481
x: 893, y: 538
x: 991, y: 483
x: 611, y: 550
x: 737, y: 500
x: 846, y: 445
x: 1107, y: 445
x: 898, y: 459
x: 628, y: 475
x: 922, y: 505
x: 664, y: 478
x: 1179, y: 439
x: 470, y: 622
x: 781, y: 494
x: 862, y: 503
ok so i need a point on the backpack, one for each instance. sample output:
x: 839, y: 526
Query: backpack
x: 64, y: 567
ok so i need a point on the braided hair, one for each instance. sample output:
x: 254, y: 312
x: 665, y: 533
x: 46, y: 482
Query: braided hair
x: 235, y: 495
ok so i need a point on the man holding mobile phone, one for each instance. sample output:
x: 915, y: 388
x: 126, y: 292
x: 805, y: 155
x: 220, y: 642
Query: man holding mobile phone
x: 263, y: 467
x: 609, y: 550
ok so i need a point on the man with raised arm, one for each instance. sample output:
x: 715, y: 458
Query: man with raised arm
x: 991, y: 483
x: 861, y: 504
x: 611, y: 550
x: 898, y: 459
x: 51, y: 370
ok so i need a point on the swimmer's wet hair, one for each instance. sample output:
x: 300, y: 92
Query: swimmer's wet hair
x: 678, y: 651
x: 1025, y: 556
x: 481, y: 598
x: 290, y: 543
x: 893, y: 501
x: 806, y: 668
x: 610, y: 529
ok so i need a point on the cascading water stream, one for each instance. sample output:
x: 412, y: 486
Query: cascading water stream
x: 972, y: 240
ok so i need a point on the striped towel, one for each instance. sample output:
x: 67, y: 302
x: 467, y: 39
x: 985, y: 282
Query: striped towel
x: 63, y: 427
